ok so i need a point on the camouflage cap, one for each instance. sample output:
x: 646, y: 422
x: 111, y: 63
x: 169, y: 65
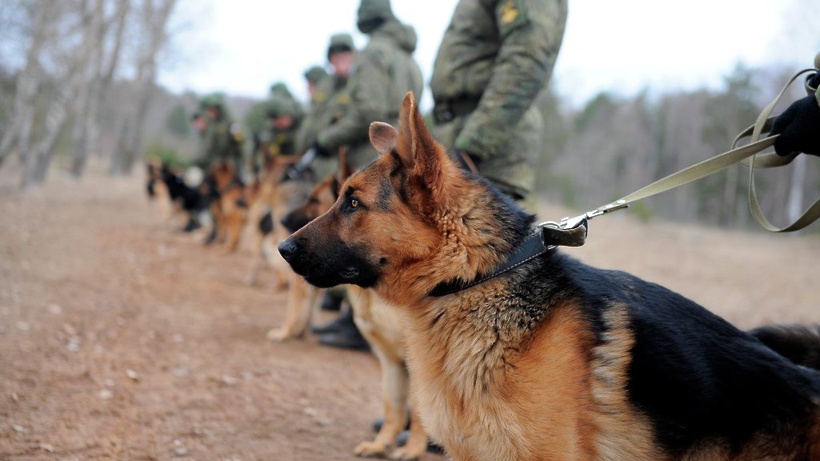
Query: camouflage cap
x: 374, y: 9
x: 340, y: 43
x: 315, y: 74
x: 278, y: 106
x: 212, y: 100
x: 280, y: 89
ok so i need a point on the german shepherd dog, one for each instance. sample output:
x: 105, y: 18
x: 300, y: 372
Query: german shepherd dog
x: 168, y: 189
x: 270, y: 201
x: 382, y: 325
x: 553, y: 359
x: 228, y: 197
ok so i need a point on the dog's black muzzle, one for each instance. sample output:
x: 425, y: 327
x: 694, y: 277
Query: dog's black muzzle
x: 326, y: 271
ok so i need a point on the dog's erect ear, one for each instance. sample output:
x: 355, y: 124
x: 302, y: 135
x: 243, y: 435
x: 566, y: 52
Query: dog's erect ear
x: 383, y: 137
x: 344, y: 171
x: 419, y: 150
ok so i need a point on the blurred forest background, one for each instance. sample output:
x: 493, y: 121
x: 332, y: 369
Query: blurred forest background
x: 78, y: 86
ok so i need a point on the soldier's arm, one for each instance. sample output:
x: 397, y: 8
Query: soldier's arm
x: 531, y: 33
x: 368, y: 104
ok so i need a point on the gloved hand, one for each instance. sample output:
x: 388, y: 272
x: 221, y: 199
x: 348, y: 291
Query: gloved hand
x: 799, y: 126
x: 320, y: 151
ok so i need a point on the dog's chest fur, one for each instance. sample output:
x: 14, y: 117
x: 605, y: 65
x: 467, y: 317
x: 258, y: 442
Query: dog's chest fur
x: 510, y: 380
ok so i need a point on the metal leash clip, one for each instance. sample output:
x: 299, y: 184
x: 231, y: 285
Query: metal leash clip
x: 572, y: 232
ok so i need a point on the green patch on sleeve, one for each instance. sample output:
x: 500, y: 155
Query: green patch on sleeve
x: 510, y: 15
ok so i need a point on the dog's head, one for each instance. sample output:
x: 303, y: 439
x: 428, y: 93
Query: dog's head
x: 321, y: 198
x: 409, y: 220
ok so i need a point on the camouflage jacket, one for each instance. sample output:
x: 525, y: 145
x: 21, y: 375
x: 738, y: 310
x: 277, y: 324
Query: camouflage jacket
x: 329, y: 103
x: 382, y: 73
x: 221, y: 141
x: 500, y: 53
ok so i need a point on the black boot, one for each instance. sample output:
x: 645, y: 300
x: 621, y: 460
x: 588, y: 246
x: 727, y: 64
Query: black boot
x: 191, y: 225
x: 331, y: 302
x: 211, y: 237
x: 432, y: 447
x: 343, y: 322
x: 345, y: 335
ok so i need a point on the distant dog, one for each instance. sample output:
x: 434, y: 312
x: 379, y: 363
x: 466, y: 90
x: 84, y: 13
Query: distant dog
x: 549, y: 359
x: 272, y: 199
x: 382, y: 325
x: 228, y: 198
x: 172, y: 195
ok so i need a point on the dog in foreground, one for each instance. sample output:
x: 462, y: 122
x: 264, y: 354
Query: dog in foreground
x: 552, y: 360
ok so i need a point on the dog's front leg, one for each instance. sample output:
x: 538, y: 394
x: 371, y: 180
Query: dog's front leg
x: 302, y: 300
x: 395, y: 386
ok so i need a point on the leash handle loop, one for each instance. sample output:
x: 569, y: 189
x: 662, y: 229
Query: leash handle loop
x: 763, y: 123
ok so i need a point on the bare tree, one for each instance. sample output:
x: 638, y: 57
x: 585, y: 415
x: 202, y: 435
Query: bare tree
x: 41, y: 16
x: 98, y: 82
x: 75, y: 62
x: 154, y: 18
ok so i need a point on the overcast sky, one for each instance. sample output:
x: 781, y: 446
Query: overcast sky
x: 242, y: 46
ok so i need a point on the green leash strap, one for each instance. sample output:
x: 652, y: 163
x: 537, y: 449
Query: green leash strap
x: 745, y: 154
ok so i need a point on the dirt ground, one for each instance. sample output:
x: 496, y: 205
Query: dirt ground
x: 121, y: 339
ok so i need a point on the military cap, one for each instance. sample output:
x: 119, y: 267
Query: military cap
x: 280, y: 89
x: 212, y: 100
x: 340, y: 43
x: 373, y: 12
x: 277, y: 106
x: 315, y: 74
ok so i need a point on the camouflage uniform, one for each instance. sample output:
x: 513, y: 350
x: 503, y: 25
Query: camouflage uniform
x: 221, y: 139
x: 329, y: 103
x: 271, y: 140
x: 383, y: 72
x: 494, y: 58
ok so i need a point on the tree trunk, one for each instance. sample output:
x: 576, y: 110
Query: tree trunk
x: 39, y: 159
x: 154, y: 21
x: 28, y: 83
x: 86, y: 130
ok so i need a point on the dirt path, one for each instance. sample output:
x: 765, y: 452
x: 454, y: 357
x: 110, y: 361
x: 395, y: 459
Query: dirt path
x: 122, y: 340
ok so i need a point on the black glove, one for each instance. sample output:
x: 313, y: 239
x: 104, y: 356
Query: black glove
x: 799, y: 126
x: 320, y: 151
x: 297, y: 169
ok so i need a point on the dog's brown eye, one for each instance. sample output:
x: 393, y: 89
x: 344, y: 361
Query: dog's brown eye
x: 354, y: 203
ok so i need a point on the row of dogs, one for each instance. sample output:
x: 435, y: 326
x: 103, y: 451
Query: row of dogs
x: 267, y: 212
x: 544, y: 359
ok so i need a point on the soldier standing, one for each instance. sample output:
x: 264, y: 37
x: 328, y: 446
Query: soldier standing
x: 382, y: 73
x: 221, y: 142
x: 494, y: 58
x: 330, y: 100
x: 221, y: 139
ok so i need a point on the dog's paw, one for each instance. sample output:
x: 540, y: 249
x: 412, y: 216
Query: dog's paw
x: 406, y: 454
x: 278, y: 334
x: 370, y: 449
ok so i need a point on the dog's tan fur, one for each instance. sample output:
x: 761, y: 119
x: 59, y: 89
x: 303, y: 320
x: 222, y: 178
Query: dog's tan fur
x: 229, y: 217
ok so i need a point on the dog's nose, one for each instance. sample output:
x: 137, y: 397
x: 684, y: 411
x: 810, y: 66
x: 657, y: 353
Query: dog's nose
x: 288, y: 250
